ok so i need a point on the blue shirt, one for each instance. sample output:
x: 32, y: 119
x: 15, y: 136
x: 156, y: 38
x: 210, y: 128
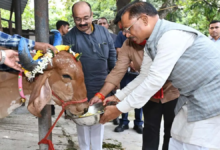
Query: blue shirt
x: 120, y: 40
x: 98, y: 55
x: 216, y: 41
x: 11, y: 41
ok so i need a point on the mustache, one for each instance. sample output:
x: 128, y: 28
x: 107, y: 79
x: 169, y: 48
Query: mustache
x: 83, y: 25
x: 130, y: 38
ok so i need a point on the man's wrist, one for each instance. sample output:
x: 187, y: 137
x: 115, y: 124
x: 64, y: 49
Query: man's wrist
x: 100, y: 96
x: 118, y: 100
x: 124, y: 107
x: 120, y: 95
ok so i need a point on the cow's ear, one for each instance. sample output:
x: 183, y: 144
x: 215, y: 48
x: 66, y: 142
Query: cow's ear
x: 41, y: 95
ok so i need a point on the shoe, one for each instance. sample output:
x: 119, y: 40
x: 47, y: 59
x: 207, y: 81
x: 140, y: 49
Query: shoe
x: 121, y: 128
x: 138, y: 129
x: 116, y: 121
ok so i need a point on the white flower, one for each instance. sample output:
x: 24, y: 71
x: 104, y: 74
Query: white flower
x: 47, y: 58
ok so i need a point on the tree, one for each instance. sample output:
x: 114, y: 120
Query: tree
x: 100, y: 8
x: 0, y: 21
x: 28, y: 21
x: 121, y: 3
x: 197, y: 13
x: 164, y: 7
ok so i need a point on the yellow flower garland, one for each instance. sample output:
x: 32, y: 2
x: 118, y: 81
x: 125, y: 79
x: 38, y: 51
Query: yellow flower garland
x: 39, y: 54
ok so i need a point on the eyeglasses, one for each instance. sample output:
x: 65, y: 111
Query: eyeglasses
x: 214, y: 27
x: 85, y: 19
x: 127, y: 30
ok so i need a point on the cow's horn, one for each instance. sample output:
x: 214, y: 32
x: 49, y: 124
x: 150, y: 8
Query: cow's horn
x: 25, y: 57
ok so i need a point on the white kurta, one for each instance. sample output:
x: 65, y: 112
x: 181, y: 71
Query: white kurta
x: 205, y: 133
x: 153, y: 74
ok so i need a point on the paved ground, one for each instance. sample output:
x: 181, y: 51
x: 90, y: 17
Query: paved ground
x: 20, y: 132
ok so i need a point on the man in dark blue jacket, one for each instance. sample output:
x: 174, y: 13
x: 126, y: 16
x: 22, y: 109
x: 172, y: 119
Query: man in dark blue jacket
x: 98, y: 58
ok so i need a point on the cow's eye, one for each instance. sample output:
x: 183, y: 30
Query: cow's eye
x: 66, y: 76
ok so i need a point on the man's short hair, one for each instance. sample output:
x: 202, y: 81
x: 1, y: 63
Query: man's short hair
x: 103, y: 18
x: 118, y: 15
x: 121, y: 12
x: 61, y: 23
x: 138, y: 8
x: 82, y: 1
x: 214, y: 21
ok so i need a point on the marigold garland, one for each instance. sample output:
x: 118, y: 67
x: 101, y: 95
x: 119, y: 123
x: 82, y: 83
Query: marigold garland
x: 46, y: 59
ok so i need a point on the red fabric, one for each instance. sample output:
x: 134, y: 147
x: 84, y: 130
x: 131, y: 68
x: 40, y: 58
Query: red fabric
x: 142, y: 43
x: 159, y: 94
x: 64, y: 104
x: 120, y: 27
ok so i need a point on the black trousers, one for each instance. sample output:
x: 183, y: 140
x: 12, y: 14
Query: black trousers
x: 52, y: 110
x: 153, y: 113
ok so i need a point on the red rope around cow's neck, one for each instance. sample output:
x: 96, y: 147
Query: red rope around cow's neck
x: 64, y: 104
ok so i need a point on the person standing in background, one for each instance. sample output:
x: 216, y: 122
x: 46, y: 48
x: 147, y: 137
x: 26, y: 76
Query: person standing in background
x: 104, y: 22
x: 214, y: 31
x: 98, y: 58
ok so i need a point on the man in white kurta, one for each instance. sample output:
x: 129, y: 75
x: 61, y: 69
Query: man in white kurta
x: 197, y: 135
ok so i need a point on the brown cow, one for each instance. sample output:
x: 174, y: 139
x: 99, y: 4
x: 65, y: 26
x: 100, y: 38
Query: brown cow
x: 65, y: 78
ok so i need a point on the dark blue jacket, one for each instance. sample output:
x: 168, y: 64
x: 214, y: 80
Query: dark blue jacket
x: 98, y: 55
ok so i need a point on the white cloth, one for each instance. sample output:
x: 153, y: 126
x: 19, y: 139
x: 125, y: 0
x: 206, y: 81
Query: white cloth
x: 90, y: 135
x: 177, y: 145
x: 205, y: 133
x: 154, y: 74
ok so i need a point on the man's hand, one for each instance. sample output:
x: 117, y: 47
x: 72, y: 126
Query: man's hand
x: 44, y: 47
x: 94, y: 100
x: 11, y: 60
x: 110, y: 98
x: 111, y: 112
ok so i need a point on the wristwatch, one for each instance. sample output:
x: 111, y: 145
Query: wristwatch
x: 3, y: 57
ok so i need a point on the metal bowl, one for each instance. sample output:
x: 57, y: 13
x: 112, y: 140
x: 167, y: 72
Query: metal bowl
x: 95, y: 109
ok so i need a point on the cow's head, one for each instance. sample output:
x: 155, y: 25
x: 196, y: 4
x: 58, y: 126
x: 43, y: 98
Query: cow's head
x: 66, y: 79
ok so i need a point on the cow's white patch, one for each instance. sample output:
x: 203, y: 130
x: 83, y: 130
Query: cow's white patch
x: 68, y: 84
x: 72, y: 66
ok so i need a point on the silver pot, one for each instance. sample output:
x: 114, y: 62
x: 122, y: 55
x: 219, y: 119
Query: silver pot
x: 95, y: 109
